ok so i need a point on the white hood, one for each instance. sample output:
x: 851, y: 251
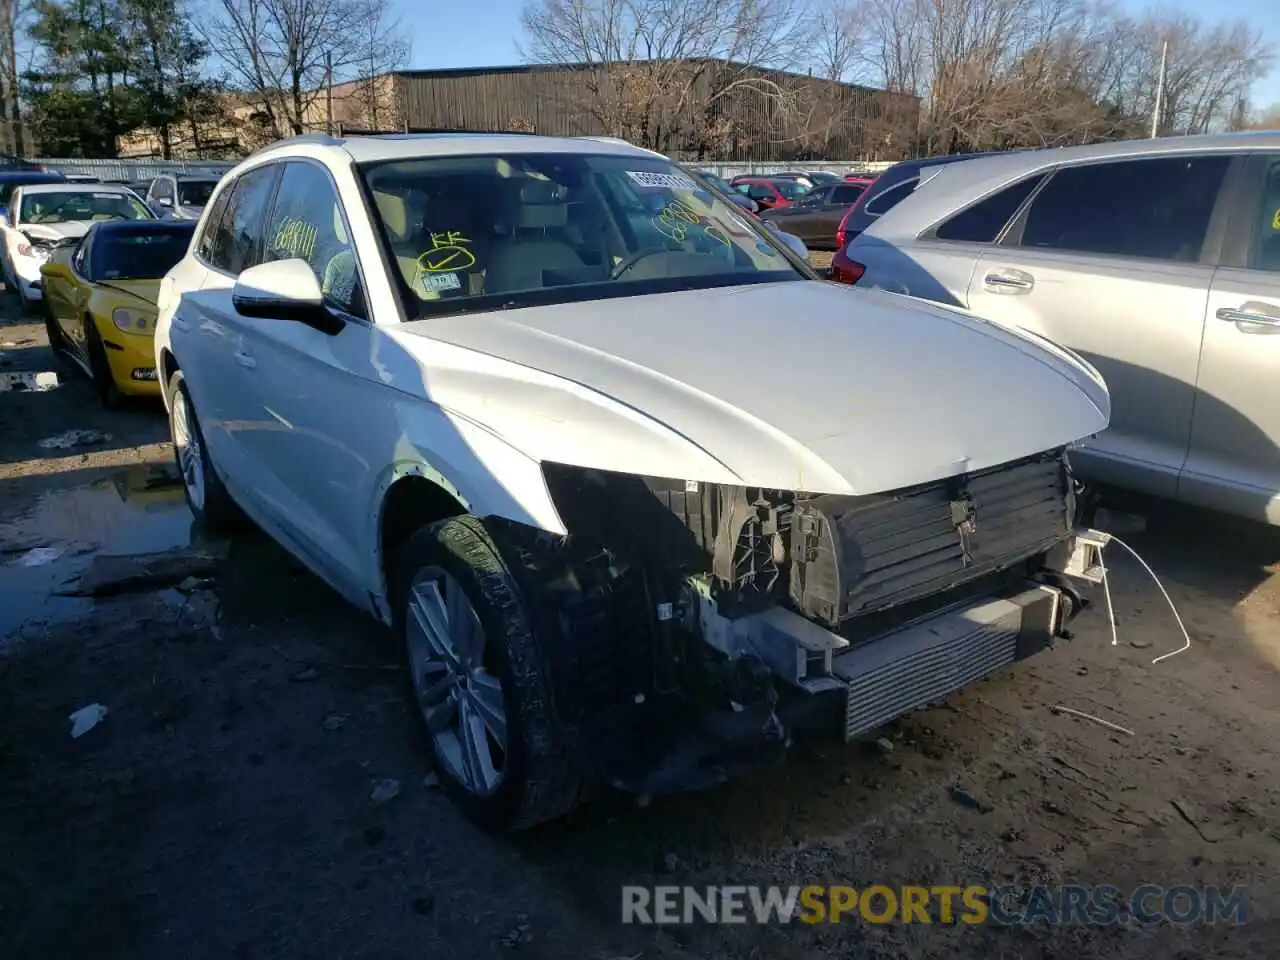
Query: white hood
x: 56, y: 231
x: 802, y: 385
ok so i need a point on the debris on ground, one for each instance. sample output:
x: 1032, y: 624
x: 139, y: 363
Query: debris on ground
x: 517, y: 935
x: 1189, y: 813
x: 306, y: 676
x: 1059, y: 708
x: 85, y: 719
x: 334, y: 721
x: 385, y: 790
x: 39, y: 556
x: 884, y: 744
x: 966, y: 798
x: 110, y: 575
x: 70, y: 439
x: 192, y: 584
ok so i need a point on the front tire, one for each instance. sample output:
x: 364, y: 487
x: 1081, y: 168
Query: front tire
x: 479, y: 679
x: 104, y: 382
x: 206, y: 495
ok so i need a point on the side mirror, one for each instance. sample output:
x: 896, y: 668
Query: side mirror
x: 284, y: 290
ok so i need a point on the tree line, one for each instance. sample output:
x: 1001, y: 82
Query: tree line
x: 76, y: 76
x: 701, y: 77
x: 988, y: 74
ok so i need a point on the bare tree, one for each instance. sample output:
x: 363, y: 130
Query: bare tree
x: 664, y: 73
x: 384, y: 48
x: 277, y: 51
x: 13, y: 136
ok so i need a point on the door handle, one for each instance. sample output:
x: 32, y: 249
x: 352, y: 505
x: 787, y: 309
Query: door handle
x: 1009, y: 281
x: 246, y: 360
x: 1255, y: 312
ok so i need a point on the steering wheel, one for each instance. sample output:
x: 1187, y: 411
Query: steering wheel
x: 632, y: 260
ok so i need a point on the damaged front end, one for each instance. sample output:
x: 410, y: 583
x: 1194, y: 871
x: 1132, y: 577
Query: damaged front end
x: 723, y: 616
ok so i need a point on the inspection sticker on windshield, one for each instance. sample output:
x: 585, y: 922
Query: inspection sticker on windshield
x: 661, y: 181
x: 437, y: 282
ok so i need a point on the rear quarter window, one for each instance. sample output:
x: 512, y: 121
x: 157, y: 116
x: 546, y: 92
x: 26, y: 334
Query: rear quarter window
x: 984, y: 221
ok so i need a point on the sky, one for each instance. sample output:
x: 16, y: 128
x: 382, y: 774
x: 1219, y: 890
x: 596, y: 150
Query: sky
x: 454, y: 33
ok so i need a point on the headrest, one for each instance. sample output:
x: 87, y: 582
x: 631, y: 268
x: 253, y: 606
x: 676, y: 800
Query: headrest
x: 339, y: 228
x: 540, y: 192
x: 542, y: 216
x: 393, y: 210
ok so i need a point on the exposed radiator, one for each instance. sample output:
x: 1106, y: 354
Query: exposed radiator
x: 924, y: 663
x: 856, y: 555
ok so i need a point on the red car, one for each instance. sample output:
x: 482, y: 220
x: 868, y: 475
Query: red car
x: 770, y: 194
x: 864, y: 179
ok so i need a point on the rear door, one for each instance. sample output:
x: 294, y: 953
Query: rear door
x: 1234, y: 460
x: 1114, y: 260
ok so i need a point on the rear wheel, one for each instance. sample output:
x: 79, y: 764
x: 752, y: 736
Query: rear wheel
x: 57, y: 342
x: 208, y: 499
x: 104, y: 383
x: 479, y: 679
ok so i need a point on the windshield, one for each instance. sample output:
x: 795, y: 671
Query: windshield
x: 482, y: 233
x: 66, y: 206
x: 195, y: 193
x: 790, y: 189
x: 138, y: 254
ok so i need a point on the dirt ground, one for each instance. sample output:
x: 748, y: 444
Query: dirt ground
x: 224, y: 807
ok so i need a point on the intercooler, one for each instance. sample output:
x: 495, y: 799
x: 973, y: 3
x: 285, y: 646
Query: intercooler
x: 853, y: 556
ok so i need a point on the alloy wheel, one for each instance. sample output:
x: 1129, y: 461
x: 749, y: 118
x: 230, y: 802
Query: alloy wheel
x: 460, y: 699
x: 186, y: 442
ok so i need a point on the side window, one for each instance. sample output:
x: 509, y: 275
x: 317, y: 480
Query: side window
x: 164, y: 189
x: 882, y: 204
x: 212, y: 223
x: 1157, y: 208
x: 306, y: 223
x: 814, y: 198
x: 1266, y: 241
x: 982, y: 222
x: 843, y: 196
x: 237, y: 236
x: 758, y: 191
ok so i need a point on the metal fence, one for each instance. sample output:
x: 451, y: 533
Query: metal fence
x: 129, y: 169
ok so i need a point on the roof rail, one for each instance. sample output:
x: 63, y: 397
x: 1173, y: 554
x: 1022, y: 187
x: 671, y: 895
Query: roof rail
x: 323, y: 139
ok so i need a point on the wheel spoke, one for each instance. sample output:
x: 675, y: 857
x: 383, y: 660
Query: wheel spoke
x: 464, y: 627
x: 442, y: 716
x: 431, y: 692
x: 485, y: 694
x: 477, y: 758
x: 428, y: 610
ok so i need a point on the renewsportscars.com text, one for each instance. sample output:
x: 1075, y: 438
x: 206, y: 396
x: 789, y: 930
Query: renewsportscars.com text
x: 1071, y: 904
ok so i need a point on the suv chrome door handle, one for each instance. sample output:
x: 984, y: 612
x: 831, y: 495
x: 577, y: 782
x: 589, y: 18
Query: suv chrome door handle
x: 1256, y: 312
x: 1008, y: 281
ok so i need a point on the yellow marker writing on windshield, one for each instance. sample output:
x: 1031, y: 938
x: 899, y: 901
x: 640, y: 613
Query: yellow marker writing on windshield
x: 1275, y: 221
x: 448, y: 252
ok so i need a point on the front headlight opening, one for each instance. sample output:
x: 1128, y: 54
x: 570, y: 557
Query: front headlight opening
x: 133, y: 321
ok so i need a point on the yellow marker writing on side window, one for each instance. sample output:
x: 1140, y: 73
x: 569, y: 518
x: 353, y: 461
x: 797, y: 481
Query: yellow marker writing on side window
x: 1275, y: 220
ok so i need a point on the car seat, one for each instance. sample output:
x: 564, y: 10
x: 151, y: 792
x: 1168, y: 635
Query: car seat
x: 534, y: 218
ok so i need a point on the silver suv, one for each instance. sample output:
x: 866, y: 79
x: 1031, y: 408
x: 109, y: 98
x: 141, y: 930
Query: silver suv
x: 1157, y: 260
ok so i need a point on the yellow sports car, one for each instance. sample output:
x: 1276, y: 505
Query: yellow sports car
x: 100, y: 301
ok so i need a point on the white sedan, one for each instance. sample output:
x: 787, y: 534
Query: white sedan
x: 43, y: 216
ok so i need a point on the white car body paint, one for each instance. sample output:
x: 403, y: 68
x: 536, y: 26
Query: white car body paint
x: 798, y: 385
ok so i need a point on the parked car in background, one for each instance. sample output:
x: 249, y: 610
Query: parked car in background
x: 1156, y: 260
x: 815, y: 216
x: 733, y: 196
x: 10, y: 162
x: 99, y: 301
x: 81, y: 178
x: 862, y: 179
x: 556, y: 455
x: 44, y: 216
x: 11, y: 179
x: 768, y: 193
x: 808, y: 178
x: 888, y: 189
x: 180, y: 196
